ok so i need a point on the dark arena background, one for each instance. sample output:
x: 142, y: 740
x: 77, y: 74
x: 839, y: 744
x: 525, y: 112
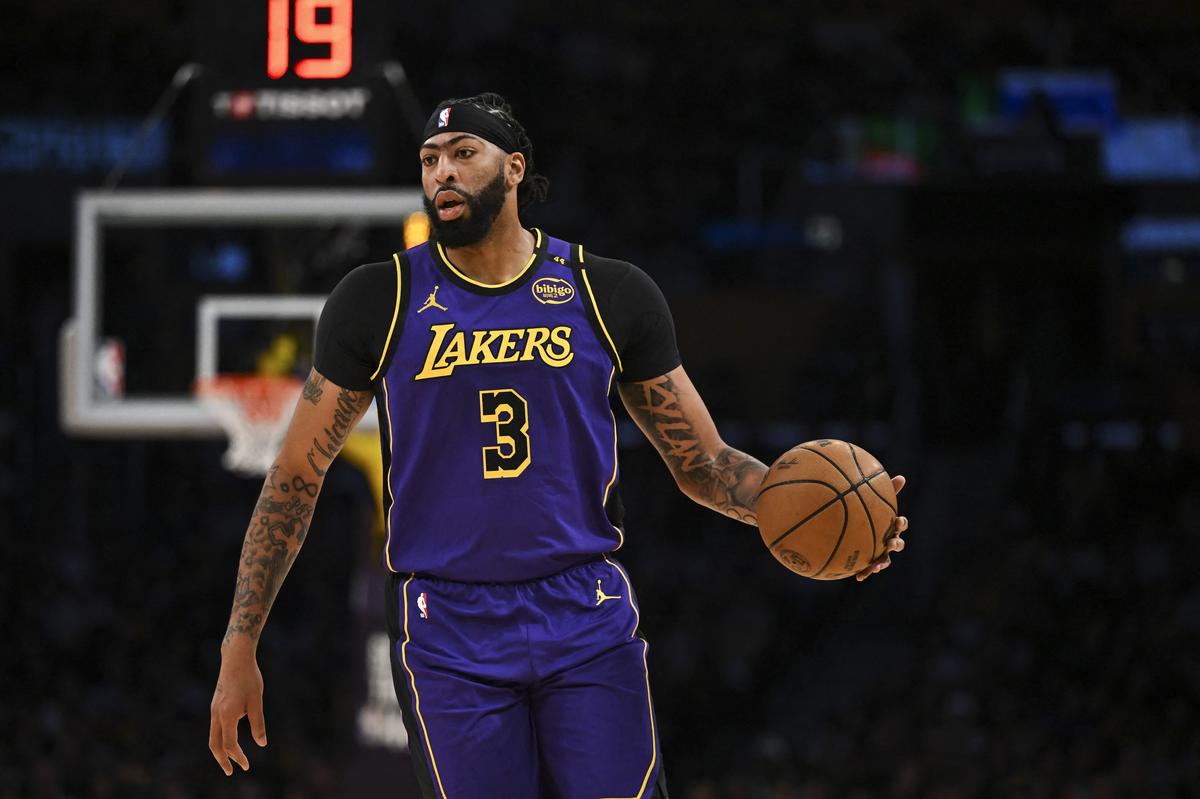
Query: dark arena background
x: 967, y: 240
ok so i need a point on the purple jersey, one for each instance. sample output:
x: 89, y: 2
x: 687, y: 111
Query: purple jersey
x: 500, y: 449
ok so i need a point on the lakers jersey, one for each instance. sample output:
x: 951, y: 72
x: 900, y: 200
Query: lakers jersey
x: 499, y: 441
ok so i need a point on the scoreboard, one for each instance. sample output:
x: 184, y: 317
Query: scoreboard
x: 294, y: 92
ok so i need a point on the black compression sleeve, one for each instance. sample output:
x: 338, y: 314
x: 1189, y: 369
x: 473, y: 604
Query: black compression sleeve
x: 637, y: 317
x: 354, y: 325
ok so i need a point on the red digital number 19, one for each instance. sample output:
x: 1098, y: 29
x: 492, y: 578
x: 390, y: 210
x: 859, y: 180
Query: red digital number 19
x: 336, y: 32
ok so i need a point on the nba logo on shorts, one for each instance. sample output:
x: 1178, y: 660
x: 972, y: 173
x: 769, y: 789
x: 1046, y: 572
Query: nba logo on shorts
x: 444, y: 118
x: 423, y: 605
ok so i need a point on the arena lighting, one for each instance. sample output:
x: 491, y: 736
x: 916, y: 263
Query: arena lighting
x: 416, y: 229
x: 1156, y: 234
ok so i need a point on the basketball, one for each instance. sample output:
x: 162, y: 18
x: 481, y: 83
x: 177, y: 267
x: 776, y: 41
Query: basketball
x: 826, y: 509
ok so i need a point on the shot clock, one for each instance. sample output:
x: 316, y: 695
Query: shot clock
x: 303, y: 19
x: 293, y: 92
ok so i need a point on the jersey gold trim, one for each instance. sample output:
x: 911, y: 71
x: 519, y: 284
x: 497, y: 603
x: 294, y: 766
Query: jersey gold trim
x: 646, y: 671
x: 537, y: 245
x: 592, y: 296
x: 604, y: 501
x: 395, y: 315
x: 387, y: 517
x: 412, y: 680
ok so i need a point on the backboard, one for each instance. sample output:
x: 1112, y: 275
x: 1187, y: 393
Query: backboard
x: 174, y: 286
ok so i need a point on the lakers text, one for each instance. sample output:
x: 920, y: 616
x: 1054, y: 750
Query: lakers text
x: 450, y: 349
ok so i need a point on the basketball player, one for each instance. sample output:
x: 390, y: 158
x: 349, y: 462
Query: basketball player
x: 492, y: 351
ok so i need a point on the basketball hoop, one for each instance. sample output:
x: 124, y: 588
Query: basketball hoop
x: 255, y: 412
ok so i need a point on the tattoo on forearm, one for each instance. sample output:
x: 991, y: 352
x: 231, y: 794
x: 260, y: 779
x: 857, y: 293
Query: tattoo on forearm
x: 674, y: 435
x: 282, y: 515
x: 276, y: 533
x: 349, y: 405
x: 314, y: 387
x: 726, y: 481
x: 732, y: 484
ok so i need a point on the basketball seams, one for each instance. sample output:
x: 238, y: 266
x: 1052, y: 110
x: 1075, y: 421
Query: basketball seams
x: 870, y: 519
x: 840, y: 497
x: 857, y: 465
x: 841, y: 536
x: 807, y: 518
x: 854, y: 455
x: 828, y: 459
x: 854, y: 487
x: 892, y: 507
x: 821, y: 530
x: 765, y: 489
x: 800, y: 463
x: 847, y: 554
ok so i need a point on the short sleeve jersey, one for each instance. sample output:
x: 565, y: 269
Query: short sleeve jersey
x: 498, y: 438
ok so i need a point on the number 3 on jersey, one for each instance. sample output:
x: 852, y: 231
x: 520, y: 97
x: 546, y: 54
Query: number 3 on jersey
x: 509, y: 412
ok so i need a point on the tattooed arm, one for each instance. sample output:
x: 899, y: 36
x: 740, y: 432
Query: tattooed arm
x: 324, y: 417
x: 673, y: 417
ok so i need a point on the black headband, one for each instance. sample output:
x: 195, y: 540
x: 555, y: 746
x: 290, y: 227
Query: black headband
x: 470, y: 118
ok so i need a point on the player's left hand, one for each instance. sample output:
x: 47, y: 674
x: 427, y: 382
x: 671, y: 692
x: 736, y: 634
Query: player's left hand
x: 892, y: 540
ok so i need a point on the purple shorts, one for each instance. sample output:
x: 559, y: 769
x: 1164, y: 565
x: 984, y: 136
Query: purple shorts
x: 525, y: 690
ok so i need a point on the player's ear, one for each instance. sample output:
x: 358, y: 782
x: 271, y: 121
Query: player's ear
x: 515, y: 168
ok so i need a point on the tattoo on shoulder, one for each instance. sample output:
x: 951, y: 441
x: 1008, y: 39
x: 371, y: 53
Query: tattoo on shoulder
x: 314, y: 387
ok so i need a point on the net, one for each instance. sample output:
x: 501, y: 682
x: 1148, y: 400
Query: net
x: 255, y: 411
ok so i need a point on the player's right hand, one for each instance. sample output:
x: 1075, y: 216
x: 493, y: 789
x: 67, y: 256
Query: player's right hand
x: 239, y: 693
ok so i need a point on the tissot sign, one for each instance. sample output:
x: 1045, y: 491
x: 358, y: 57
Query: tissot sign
x: 247, y: 104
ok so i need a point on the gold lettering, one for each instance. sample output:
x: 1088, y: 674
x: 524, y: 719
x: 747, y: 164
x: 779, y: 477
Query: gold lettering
x: 481, y: 351
x: 449, y: 351
x: 537, y: 338
x: 508, y: 339
x: 428, y: 370
x: 455, y: 353
x: 561, y: 355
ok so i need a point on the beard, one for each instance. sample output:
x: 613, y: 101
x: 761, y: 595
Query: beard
x: 473, y: 225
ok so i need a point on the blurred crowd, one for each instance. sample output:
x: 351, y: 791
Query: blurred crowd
x: 1058, y: 659
x: 112, y: 641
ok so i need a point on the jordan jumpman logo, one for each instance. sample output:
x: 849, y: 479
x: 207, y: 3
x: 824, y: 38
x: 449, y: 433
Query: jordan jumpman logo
x: 601, y: 596
x: 432, y: 302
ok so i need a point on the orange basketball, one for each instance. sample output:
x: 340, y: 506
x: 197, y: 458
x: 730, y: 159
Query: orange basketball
x: 826, y: 509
